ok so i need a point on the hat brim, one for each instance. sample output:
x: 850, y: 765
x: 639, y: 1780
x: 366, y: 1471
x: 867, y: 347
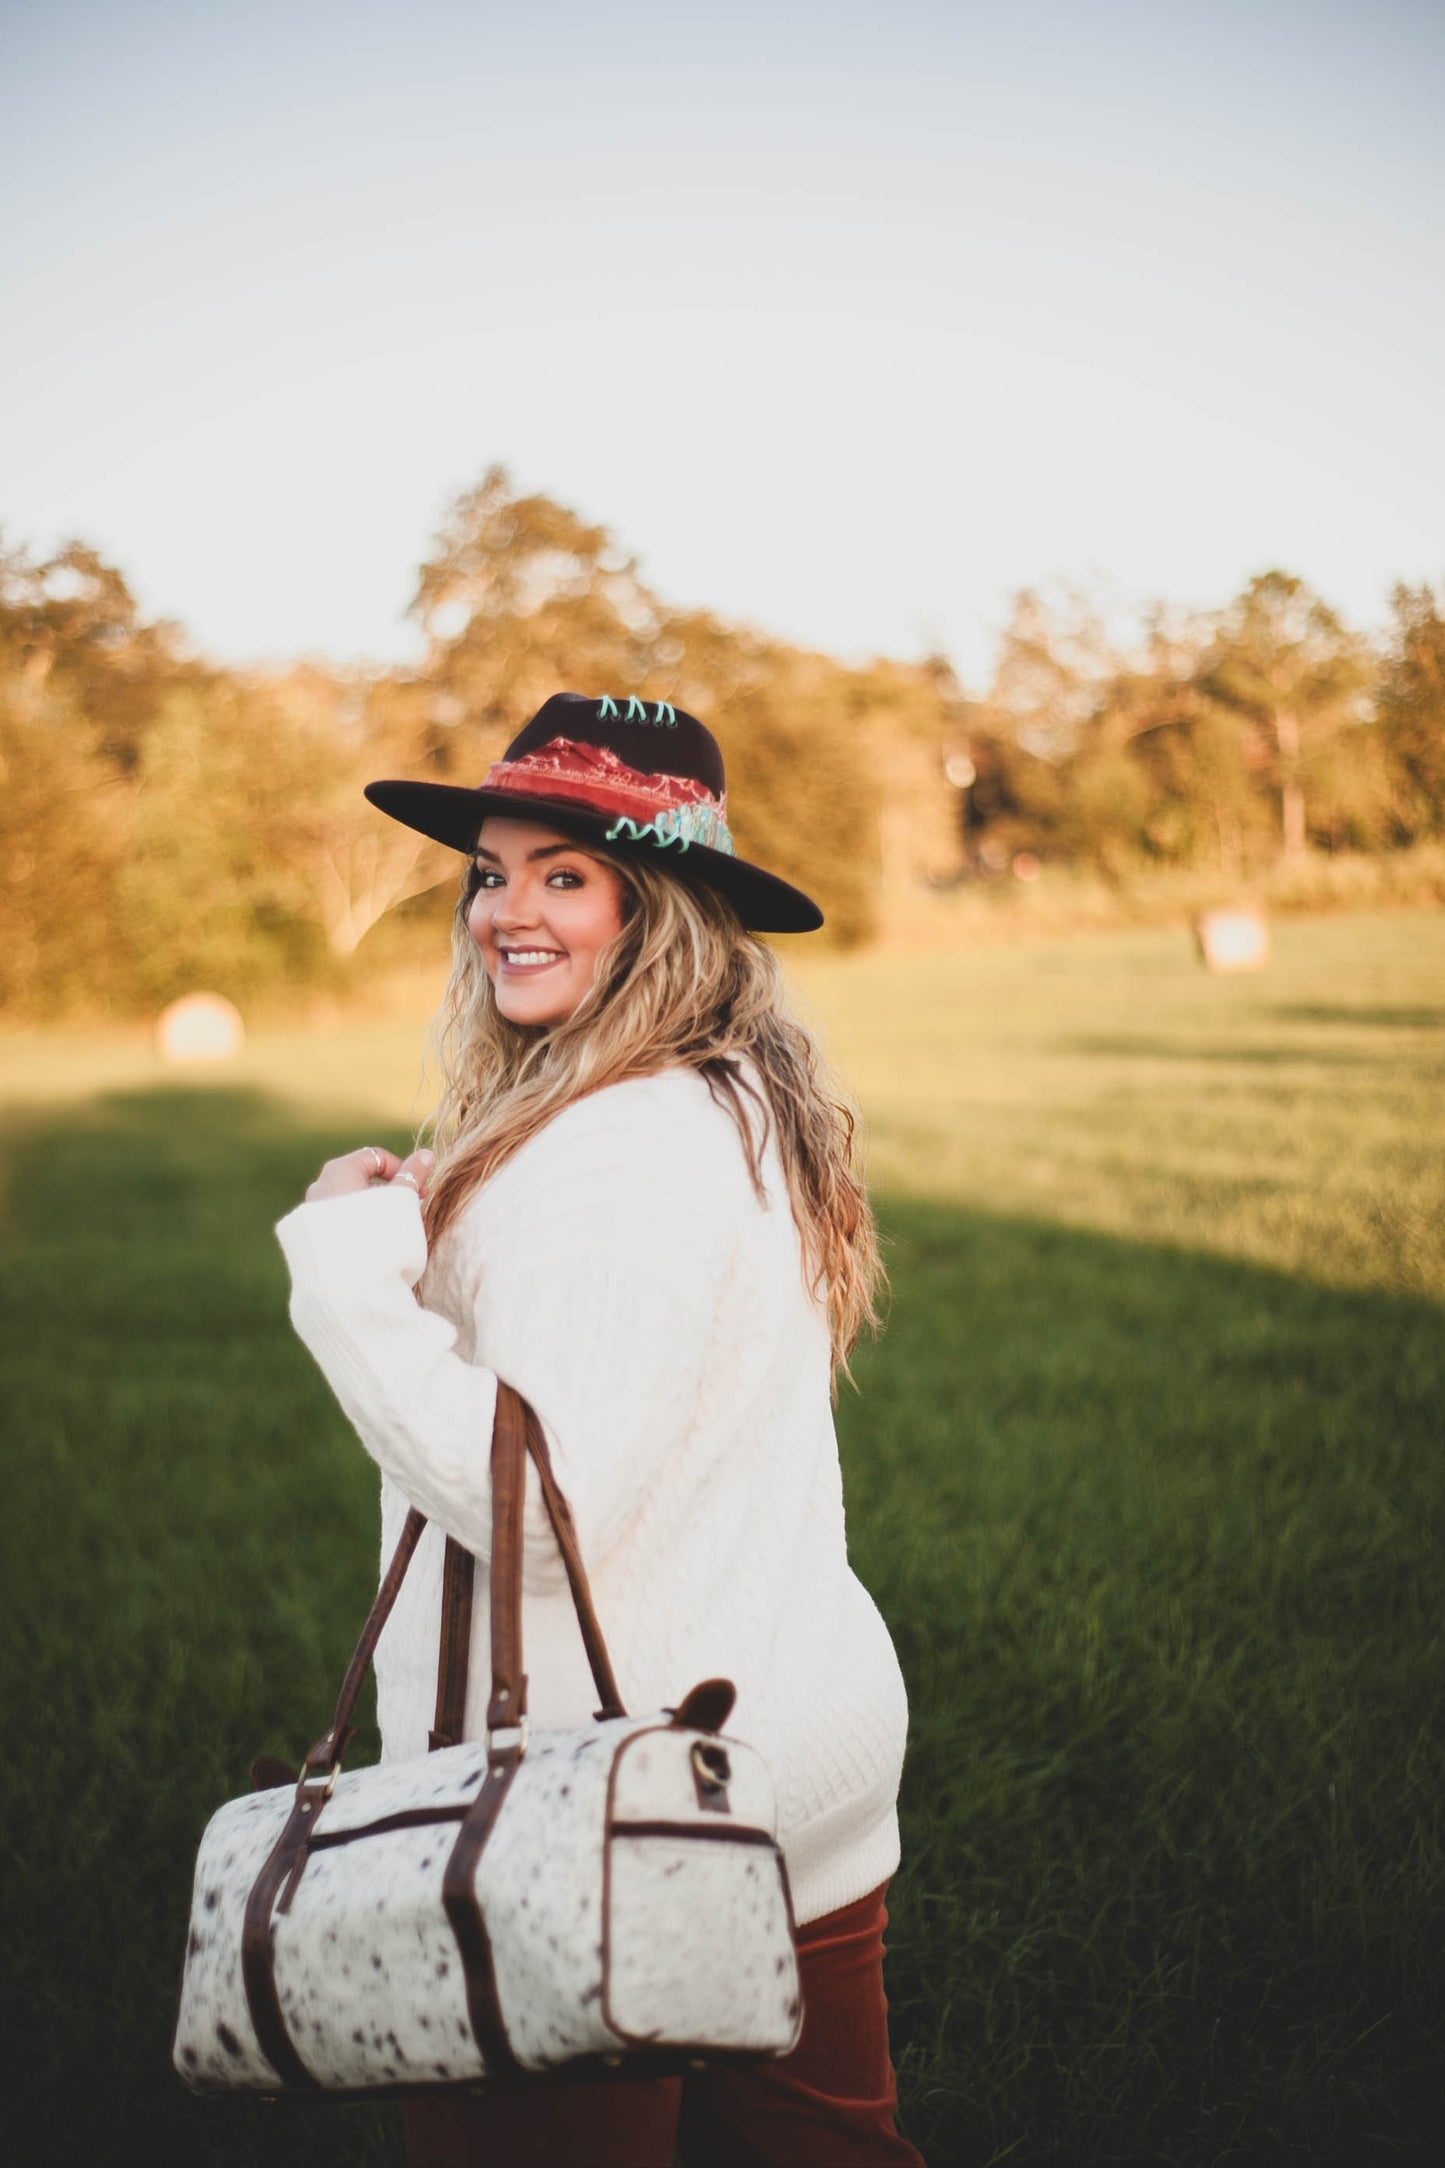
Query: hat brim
x: 452, y: 815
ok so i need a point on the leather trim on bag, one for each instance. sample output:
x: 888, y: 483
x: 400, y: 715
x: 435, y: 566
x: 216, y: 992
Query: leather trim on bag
x: 463, y: 1909
x: 326, y: 1840
x: 707, y: 1707
x: 258, y: 1957
x: 797, y: 1956
x: 704, y: 1832
x: 605, y: 1951
x: 598, y: 2069
x: 270, y: 1774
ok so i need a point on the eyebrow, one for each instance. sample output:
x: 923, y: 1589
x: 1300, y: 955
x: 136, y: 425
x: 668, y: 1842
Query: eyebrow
x: 543, y: 850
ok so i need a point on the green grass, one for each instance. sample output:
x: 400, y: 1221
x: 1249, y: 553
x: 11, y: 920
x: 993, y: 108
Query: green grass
x: 1146, y: 1476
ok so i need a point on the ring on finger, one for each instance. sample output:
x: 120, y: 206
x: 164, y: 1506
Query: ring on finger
x: 404, y: 1174
x: 373, y: 1153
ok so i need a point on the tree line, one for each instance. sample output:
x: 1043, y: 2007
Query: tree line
x: 1229, y: 739
x: 167, y: 824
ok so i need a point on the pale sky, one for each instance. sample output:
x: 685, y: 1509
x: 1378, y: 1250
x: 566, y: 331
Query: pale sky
x: 849, y: 320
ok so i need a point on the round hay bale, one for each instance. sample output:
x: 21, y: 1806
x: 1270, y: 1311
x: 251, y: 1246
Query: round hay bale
x: 199, y: 1027
x: 1235, y: 938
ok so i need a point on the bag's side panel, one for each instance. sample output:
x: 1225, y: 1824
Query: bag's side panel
x: 700, y: 1944
x: 654, y: 1780
x: 216, y: 2044
x: 540, y: 1883
x: 367, y: 1972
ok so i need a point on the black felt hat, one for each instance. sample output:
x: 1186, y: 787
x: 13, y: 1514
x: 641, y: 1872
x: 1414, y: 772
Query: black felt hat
x: 637, y: 775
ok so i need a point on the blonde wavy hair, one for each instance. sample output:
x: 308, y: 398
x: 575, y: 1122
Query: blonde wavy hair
x: 682, y: 985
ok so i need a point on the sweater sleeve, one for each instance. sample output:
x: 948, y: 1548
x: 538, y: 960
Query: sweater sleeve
x: 422, y: 1412
x: 598, y: 1257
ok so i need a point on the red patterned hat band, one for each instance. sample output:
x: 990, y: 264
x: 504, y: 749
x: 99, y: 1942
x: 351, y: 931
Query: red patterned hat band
x: 661, y: 809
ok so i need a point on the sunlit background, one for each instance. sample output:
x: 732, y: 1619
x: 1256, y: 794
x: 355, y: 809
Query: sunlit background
x: 1024, y: 420
x: 850, y: 320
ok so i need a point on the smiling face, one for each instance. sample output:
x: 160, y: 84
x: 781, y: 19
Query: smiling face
x: 541, y: 916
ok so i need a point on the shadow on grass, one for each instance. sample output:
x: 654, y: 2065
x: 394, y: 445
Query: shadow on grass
x: 1296, y: 1053
x: 1157, y: 1534
x: 1358, y: 1018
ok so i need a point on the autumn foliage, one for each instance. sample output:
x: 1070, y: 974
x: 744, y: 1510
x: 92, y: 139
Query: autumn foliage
x: 167, y: 824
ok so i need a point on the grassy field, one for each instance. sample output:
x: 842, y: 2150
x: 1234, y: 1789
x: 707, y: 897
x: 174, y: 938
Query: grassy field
x: 1146, y: 1475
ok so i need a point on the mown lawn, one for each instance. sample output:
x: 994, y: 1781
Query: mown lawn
x: 1146, y: 1475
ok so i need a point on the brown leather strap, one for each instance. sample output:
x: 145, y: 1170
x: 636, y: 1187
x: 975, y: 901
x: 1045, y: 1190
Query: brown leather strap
x: 508, y: 1704
x: 463, y: 1910
x: 330, y: 1747
x: 454, y: 1663
x: 258, y: 1969
x: 564, y: 1529
x: 516, y: 1432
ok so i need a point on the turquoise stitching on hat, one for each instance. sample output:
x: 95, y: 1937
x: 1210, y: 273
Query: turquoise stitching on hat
x: 682, y: 825
x: 606, y: 706
x: 666, y: 709
x: 641, y: 830
x: 636, y: 712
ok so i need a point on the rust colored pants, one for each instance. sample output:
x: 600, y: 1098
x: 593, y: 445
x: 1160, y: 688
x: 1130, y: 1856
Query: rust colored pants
x: 827, y: 2105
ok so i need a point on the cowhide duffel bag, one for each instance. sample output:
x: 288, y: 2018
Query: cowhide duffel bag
x: 603, y: 1899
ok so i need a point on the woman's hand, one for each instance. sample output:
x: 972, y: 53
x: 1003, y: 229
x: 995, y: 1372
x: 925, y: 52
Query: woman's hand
x: 368, y: 1164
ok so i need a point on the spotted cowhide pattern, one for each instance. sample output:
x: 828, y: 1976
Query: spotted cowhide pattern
x: 699, y: 1931
x: 701, y: 1947
x: 368, y: 1975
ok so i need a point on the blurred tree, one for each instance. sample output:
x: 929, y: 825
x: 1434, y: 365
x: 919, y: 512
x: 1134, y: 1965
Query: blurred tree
x: 71, y: 621
x: 1281, y: 658
x: 344, y: 731
x: 791, y: 728
x: 1056, y: 665
x: 216, y: 889
x: 521, y: 598
x: 256, y: 858
x: 911, y: 720
x: 1198, y: 758
x: 1170, y: 743
x: 1412, y: 712
x: 82, y: 679
x: 64, y: 825
x: 1054, y: 738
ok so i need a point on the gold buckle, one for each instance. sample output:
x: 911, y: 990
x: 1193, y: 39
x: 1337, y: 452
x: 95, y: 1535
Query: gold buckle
x: 496, y: 1755
x: 311, y: 1781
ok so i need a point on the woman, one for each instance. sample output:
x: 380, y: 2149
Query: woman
x: 641, y: 1214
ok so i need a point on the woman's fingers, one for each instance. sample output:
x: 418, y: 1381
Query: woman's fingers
x: 413, y: 1171
x: 353, y: 1171
x: 369, y: 1164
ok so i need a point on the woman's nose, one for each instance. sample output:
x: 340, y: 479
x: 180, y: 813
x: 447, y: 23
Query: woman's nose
x: 514, y: 909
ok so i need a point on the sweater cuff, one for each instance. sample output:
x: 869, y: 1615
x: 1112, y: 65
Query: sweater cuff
x: 329, y: 1237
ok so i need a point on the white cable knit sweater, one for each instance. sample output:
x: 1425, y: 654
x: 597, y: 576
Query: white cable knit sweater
x: 621, y: 1273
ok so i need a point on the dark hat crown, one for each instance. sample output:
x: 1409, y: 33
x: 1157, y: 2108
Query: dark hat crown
x: 651, y: 736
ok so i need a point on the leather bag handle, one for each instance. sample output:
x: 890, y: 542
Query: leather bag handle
x: 516, y: 1432
x: 459, y: 1573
